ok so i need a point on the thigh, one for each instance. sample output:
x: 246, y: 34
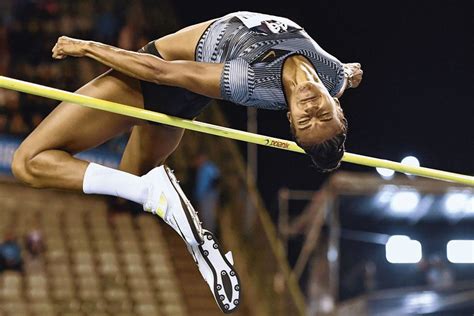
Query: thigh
x: 149, y: 146
x: 182, y: 44
x: 74, y: 128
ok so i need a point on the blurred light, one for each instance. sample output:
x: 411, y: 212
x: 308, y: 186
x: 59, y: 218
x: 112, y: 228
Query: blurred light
x: 422, y: 299
x: 455, y: 202
x: 326, y: 304
x: 401, y: 249
x: 460, y: 251
x: 332, y: 254
x: 384, y: 196
x: 459, y: 202
x: 387, y: 174
x: 470, y: 205
x: 410, y: 161
x: 405, y: 201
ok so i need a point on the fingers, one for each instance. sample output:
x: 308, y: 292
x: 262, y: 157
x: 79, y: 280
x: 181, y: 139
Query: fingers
x: 57, y: 52
x: 58, y: 49
x: 357, y: 74
x: 59, y: 56
x: 66, y: 46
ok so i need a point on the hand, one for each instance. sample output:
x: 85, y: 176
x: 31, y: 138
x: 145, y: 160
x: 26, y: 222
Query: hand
x: 355, y: 74
x: 67, y: 46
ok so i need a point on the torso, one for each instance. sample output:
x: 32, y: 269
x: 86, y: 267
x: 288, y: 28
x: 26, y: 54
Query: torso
x: 254, y: 48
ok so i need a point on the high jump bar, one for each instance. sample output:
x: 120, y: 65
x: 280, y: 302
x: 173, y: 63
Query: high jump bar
x: 61, y: 95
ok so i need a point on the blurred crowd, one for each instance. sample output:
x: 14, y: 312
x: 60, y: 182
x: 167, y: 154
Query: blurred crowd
x: 22, y: 255
x: 30, y: 28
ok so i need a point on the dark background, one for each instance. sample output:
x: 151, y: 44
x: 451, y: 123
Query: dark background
x: 415, y: 98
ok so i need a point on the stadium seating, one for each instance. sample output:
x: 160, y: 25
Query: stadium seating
x: 95, y: 263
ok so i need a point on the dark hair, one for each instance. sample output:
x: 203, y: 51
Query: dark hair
x: 326, y: 156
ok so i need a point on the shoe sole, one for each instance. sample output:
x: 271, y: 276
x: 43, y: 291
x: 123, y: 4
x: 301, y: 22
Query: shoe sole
x: 191, y: 216
x: 227, y: 289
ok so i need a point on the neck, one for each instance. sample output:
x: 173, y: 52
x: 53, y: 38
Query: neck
x: 296, y: 71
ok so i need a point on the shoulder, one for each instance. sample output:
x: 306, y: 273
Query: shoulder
x: 237, y: 81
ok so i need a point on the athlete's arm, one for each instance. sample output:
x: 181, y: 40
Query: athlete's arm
x: 345, y: 85
x: 201, y: 78
x: 353, y: 77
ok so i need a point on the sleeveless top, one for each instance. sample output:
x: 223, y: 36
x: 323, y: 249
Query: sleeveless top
x: 253, y: 48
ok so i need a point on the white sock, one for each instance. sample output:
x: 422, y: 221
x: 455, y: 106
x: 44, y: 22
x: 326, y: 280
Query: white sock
x: 104, y: 180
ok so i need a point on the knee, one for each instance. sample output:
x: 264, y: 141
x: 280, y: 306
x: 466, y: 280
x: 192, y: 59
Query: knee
x: 19, y: 165
x: 24, y: 167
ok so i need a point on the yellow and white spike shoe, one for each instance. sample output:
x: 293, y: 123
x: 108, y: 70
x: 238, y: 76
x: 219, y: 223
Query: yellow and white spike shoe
x: 218, y: 271
x: 167, y: 200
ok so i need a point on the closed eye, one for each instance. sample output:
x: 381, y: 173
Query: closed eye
x: 304, y: 127
x: 326, y: 117
x: 304, y: 120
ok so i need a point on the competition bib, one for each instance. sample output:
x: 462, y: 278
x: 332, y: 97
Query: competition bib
x: 267, y: 23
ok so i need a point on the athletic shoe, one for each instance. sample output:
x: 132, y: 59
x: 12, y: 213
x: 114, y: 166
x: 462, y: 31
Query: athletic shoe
x: 167, y: 199
x: 218, y: 271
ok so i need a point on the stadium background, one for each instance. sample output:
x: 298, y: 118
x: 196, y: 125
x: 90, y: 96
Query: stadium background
x: 414, y: 100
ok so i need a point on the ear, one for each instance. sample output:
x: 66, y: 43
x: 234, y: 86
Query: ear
x: 288, y: 116
x: 336, y: 100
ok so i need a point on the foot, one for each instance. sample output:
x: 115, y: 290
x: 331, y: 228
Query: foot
x: 218, y: 272
x: 167, y: 199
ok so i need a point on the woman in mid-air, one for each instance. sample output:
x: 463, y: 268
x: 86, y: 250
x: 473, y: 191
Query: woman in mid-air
x: 247, y: 58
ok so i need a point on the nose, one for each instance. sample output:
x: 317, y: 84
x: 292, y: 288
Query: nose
x: 312, y: 109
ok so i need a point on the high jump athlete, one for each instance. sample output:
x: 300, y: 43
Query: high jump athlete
x: 247, y: 58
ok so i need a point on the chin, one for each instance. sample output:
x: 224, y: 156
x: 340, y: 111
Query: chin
x: 309, y: 87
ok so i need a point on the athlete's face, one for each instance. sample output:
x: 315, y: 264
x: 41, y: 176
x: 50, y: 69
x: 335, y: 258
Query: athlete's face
x: 314, y: 115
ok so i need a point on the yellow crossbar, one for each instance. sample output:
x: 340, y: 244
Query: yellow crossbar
x: 60, y: 95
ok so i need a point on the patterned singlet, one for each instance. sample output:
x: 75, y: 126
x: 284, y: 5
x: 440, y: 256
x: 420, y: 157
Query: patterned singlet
x: 253, y: 48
